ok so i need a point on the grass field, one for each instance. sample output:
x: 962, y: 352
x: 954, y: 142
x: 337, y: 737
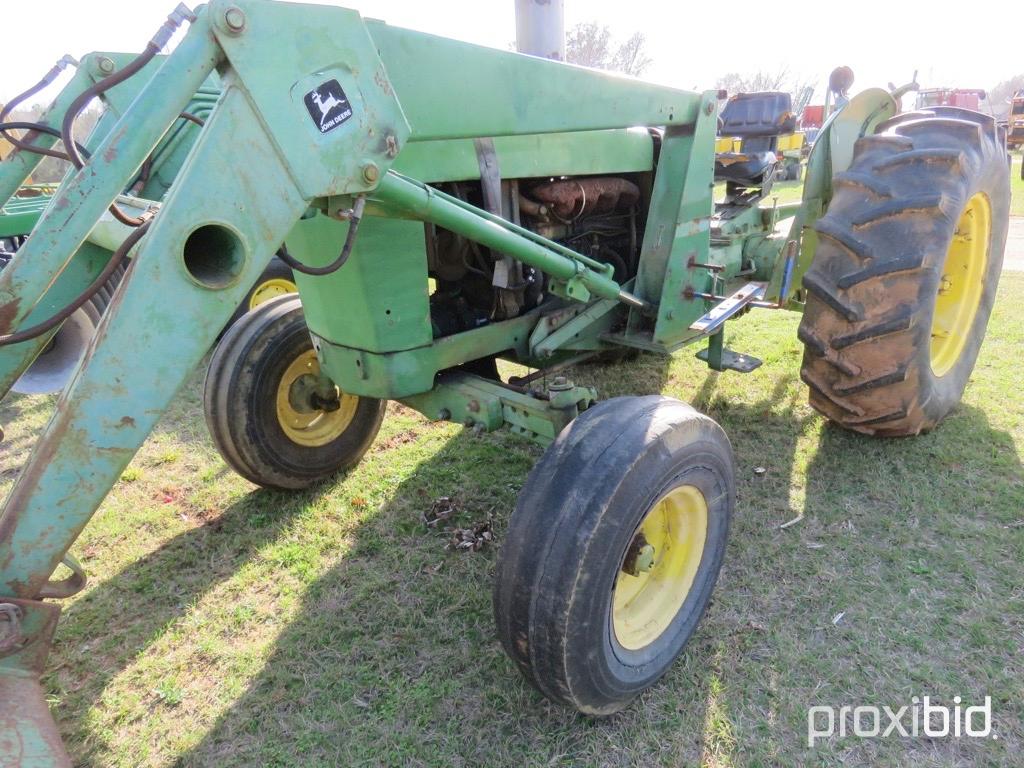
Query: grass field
x: 229, y: 626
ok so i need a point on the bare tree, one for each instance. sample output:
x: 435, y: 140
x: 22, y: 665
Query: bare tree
x: 800, y: 88
x: 999, y: 97
x: 590, y: 45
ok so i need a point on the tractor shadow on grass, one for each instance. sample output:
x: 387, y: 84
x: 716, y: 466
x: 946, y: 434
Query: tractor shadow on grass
x: 109, y: 628
x: 393, y: 660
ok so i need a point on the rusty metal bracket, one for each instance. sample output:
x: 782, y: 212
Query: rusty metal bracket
x: 11, y: 637
x: 72, y: 585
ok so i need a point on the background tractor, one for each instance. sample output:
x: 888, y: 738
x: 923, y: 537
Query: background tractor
x: 443, y: 206
x: 1015, y: 122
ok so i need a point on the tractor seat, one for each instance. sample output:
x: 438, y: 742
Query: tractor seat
x: 757, y: 119
x: 758, y: 114
x: 745, y: 168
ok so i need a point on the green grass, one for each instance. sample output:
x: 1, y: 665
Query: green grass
x: 229, y: 626
x: 782, y: 192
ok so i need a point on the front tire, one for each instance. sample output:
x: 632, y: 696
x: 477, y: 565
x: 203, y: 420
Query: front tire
x: 613, y: 550
x: 905, y: 274
x: 272, y: 416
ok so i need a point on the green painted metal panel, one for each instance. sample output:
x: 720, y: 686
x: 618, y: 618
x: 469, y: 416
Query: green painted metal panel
x: 401, y: 374
x: 678, y: 227
x: 325, y: 45
x: 21, y: 213
x: 378, y: 301
x: 557, y: 154
x: 509, y: 93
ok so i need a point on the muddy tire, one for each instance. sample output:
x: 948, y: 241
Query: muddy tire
x: 270, y: 415
x: 908, y: 260
x: 613, y: 550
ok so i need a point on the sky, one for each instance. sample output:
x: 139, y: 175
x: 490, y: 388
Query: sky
x: 687, y: 41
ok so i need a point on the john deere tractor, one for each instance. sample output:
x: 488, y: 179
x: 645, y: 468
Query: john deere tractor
x: 443, y: 206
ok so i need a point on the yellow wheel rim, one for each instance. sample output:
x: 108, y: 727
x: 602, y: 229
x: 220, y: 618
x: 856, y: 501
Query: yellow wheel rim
x: 645, y: 604
x: 301, y: 422
x: 270, y: 289
x: 961, y: 284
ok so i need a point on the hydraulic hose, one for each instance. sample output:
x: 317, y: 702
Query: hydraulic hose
x: 160, y: 39
x: 48, y: 78
x: 55, y: 320
x: 346, y: 250
x: 23, y: 125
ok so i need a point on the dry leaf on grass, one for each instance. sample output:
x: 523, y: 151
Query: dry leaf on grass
x: 440, y: 511
x: 472, y: 539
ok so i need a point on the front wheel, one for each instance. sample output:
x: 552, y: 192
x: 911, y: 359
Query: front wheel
x: 613, y: 550
x: 275, y: 419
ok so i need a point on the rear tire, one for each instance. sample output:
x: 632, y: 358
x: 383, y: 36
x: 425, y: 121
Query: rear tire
x: 581, y: 629
x: 899, y: 295
x: 260, y: 406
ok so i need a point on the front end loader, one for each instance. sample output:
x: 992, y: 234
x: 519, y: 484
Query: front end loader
x: 443, y: 206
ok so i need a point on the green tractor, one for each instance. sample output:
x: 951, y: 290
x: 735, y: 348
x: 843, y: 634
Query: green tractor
x: 443, y: 206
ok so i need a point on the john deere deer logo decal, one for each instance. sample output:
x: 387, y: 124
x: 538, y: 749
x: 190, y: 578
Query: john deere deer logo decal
x: 328, y: 106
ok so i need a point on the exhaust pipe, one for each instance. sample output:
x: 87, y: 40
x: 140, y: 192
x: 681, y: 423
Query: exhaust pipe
x: 540, y: 28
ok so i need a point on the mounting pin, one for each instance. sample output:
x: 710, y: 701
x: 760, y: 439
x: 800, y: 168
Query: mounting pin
x: 234, y: 18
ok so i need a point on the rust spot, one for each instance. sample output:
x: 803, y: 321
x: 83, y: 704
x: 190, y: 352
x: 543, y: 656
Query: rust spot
x: 127, y: 421
x: 8, y: 312
x: 382, y: 81
x: 573, y: 198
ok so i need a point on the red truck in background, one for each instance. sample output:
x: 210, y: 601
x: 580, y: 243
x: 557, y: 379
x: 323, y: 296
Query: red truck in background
x: 968, y: 98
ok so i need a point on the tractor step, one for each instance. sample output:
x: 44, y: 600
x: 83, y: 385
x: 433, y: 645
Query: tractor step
x: 715, y: 318
x: 729, y: 360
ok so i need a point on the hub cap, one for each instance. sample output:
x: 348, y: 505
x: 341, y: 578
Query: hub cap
x: 961, y: 284
x: 271, y: 289
x: 302, y: 421
x: 649, y: 591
